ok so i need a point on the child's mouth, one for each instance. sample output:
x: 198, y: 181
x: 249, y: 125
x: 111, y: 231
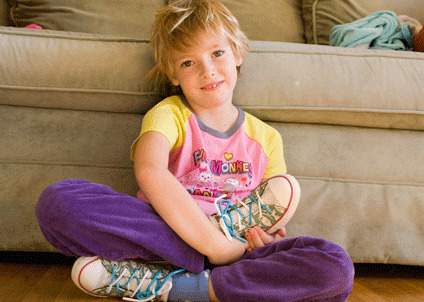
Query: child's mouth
x: 212, y: 86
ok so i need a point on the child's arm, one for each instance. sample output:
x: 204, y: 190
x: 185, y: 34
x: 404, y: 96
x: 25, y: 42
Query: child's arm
x: 175, y: 205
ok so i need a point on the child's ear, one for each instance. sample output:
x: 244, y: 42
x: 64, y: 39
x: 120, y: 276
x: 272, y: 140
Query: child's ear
x: 239, y: 60
x: 174, y: 81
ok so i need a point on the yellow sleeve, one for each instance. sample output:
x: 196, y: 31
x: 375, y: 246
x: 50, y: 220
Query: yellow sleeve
x: 275, y: 151
x: 168, y: 118
x: 272, y: 143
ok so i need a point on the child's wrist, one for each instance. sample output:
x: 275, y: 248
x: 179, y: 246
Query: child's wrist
x: 227, y: 252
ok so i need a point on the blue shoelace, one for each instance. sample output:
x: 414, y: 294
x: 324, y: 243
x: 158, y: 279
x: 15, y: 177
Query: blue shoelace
x: 224, y: 209
x: 150, y: 292
x: 225, y: 206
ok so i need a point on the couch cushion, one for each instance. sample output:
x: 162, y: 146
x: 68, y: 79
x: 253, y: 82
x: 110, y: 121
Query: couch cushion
x: 370, y: 180
x: 332, y: 85
x: 130, y: 18
x: 293, y: 82
x: 269, y: 20
x: 4, y: 13
x: 67, y: 70
x: 41, y: 146
x: 321, y: 15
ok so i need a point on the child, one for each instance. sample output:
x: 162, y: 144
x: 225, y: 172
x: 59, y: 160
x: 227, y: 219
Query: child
x: 196, y: 154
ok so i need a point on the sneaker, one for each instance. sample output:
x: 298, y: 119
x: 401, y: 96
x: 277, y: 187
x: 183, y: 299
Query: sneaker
x: 131, y: 280
x: 270, y: 206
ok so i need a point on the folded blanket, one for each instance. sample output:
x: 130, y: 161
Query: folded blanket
x: 378, y: 30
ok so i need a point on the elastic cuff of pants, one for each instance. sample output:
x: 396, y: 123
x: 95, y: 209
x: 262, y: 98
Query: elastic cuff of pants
x: 191, y: 287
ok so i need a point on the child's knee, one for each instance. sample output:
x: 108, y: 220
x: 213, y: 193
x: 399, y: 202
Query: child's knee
x: 338, y: 271
x: 346, y: 272
x: 329, y: 264
x: 54, y: 202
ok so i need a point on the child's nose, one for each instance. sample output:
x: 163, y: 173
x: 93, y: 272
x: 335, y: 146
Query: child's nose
x: 208, y: 69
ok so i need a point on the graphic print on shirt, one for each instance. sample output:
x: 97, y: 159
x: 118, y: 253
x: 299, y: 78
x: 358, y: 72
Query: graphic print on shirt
x: 214, y: 177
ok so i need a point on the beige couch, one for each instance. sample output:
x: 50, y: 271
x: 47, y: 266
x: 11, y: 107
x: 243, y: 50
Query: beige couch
x: 352, y: 120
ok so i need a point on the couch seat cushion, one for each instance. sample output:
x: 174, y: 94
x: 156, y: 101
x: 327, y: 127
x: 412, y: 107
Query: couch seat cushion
x: 290, y: 82
x: 41, y: 146
x: 54, y: 69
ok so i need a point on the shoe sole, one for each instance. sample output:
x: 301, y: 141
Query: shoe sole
x: 292, y: 204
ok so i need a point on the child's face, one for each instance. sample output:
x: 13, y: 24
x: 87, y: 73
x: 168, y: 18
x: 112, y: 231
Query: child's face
x: 207, y: 71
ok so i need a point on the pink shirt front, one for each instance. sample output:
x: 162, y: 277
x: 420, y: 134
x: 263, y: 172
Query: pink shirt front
x: 209, y: 163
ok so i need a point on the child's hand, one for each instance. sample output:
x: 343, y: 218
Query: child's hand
x: 256, y: 237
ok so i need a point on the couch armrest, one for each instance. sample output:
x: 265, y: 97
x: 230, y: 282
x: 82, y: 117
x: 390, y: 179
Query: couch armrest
x: 53, y: 69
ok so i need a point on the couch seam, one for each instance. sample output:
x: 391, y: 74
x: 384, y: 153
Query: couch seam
x: 98, y: 38
x: 323, y: 53
x: 75, y: 90
x: 337, y: 109
x: 56, y: 107
x: 12, y: 9
x: 314, y: 20
x: 63, y: 164
x: 359, y: 181
x: 300, y: 177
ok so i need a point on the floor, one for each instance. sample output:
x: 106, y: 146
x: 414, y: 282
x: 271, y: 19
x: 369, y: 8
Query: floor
x: 46, y: 277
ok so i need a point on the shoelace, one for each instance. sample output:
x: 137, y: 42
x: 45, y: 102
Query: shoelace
x: 148, y: 294
x: 224, y: 208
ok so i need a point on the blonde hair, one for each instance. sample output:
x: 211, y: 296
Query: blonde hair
x: 174, y: 28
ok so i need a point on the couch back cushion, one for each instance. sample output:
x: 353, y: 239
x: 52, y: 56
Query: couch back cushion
x: 129, y: 18
x: 265, y: 20
x: 269, y: 20
x: 4, y: 13
x: 321, y: 15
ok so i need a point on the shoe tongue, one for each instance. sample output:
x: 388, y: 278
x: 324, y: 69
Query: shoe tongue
x: 274, y: 192
x: 127, y: 271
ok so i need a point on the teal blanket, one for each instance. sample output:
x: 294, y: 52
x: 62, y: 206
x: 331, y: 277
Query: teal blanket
x: 378, y: 30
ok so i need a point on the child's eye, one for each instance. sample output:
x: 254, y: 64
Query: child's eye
x: 187, y: 63
x: 218, y: 53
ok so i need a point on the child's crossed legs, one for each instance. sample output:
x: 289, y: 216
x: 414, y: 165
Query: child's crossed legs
x: 82, y: 218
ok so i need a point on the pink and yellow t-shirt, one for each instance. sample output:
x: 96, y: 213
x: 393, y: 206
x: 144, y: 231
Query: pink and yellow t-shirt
x: 210, y: 163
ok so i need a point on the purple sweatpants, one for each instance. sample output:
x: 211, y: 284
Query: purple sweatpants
x: 81, y: 218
